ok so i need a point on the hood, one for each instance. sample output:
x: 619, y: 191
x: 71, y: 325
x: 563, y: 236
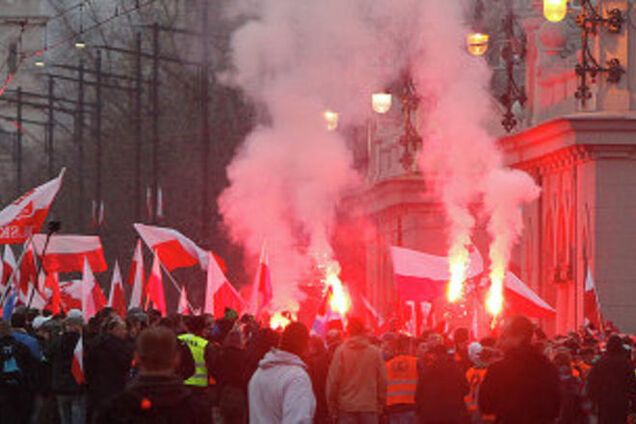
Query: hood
x: 277, y: 357
x: 357, y: 342
x: 161, y: 391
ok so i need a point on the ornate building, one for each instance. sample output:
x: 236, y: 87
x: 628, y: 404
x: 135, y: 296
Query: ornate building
x: 582, y: 156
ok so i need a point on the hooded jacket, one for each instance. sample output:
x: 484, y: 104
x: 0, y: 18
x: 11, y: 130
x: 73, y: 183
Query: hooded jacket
x: 155, y: 400
x: 357, y: 378
x: 280, y: 391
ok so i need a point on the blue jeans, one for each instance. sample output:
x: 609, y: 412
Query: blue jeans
x: 407, y: 417
x: 72, y: 409
x: 358, y: 418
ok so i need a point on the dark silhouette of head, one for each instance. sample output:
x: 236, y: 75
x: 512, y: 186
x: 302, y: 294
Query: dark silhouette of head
x: 295, y: 339
x: 157, y: 350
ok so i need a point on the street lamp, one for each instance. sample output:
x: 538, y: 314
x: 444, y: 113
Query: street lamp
x: 477, y: 43
x: 332, y: 119
x: 555, y: 10
x: 381, y: 102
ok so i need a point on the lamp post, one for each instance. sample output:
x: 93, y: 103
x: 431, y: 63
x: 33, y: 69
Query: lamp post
x: 589, y: 20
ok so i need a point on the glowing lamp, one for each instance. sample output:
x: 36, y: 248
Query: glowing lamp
x: 80, y: 44
x: 332, y: 119
x: 477, y: 43
x: 555, y: 10
x: 39, y: 62
x: 381, y: 102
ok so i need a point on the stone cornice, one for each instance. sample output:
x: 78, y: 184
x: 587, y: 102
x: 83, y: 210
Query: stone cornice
x: 571, y: 139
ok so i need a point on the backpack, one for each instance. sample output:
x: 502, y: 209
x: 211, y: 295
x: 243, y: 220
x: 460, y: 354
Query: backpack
x: 11, y: 374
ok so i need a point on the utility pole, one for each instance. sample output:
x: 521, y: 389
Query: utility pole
x: 49, y: 129
x: 205, y: 128
x: 98, y: 133
x: 19, y: 143
x: 138, y: 140
x: 79, y: 122
x: 155, y: 119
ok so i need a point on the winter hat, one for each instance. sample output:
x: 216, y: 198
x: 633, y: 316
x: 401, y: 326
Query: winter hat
x: 39, y: 321
x: 74, y: 317
x: 295, y: 338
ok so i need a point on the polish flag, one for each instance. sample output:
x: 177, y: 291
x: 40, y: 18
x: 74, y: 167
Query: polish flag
x: 154, y: 290
x: 8, y: 265
x: 53, y: 294
x: 219, y: 293
x: 174, y: 249
x: 521, y: 299
x: 136, y: 277
x: 71, y: 294
x: 77, y: 364
x: 591, y: 305
x: 183, y: 308
x: 26, y: 273
x: 25, y: 216
x: 422, y: 277
x: 66, y: 253
x: 262, y: 292
x: 117, y: 296
x: 93, y: 298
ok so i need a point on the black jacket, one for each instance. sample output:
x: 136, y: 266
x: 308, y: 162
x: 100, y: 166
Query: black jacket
x: 439, y: 396
x: 155, y: 400
x: 611, y: 384
x: 107, y: 365
x: 522, y: 388
x: 60, y: 355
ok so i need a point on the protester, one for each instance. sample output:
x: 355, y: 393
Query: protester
x: 524, y: 386
x: 19, y: 322
x: 108, y: 359
x: 441, y: 389
x: 69, y: 393
x: 612, y: 383
x: 280, y: 391
x: 229, y: 371
x: 17, y: 368
x: 402, y: 378
x: 357, y: 381
x: 157, y: 395
x: 572, y: 398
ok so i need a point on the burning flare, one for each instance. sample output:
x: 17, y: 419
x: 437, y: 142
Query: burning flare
x: 281, y: 319
x: 458, y: 261
x: 495, y: 296
x: 339, y: 301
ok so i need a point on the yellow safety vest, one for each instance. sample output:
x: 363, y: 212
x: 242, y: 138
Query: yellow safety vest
x: 402, y: 380
x: 197, y: 347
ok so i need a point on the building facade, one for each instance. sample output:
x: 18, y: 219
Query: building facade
x: 583, y: 157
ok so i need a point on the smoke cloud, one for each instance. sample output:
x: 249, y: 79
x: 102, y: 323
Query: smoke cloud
x: 295, y: 59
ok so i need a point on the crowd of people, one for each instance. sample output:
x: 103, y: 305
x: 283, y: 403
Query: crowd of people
x: 144, y: 368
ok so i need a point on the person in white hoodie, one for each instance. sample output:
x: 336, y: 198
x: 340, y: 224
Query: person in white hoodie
x: 280, y: 391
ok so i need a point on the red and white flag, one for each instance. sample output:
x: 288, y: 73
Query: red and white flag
x: 8, y: 265
x: 155, y: 295
x: 66, y: 253
x: 26, y: 274
x: 591, y: 304
x: 77, y: 364
x: 52, y: 293
x: 117, y: 295
x: 182, y: 307
x: 136, y: 278
x: 262, y: 293
x: 422, y: 277
x: 521, y: 299
x: 71, y: 294
x: 174, y: 249
x: 25, y: 216
x: 93, y: 298
x: 219, y: 293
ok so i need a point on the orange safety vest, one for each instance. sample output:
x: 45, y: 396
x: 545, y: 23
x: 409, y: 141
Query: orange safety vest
x: 401, y: 380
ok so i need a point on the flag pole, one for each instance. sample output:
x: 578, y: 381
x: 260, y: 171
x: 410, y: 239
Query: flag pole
x: 174, y: 283
x: 11, y: 279
x: 53, y: 227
